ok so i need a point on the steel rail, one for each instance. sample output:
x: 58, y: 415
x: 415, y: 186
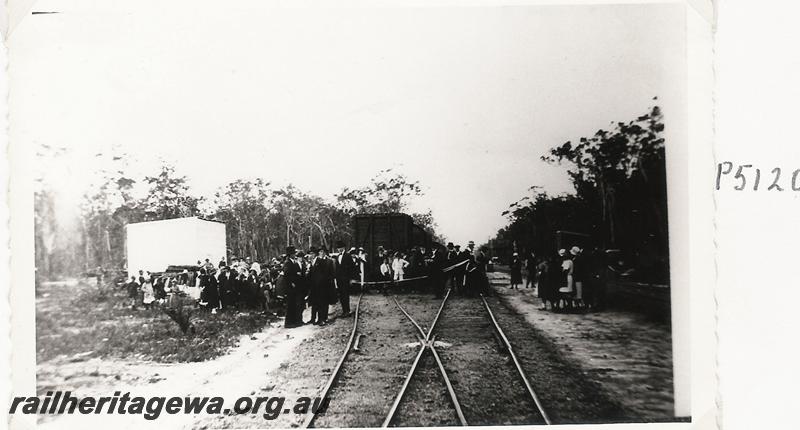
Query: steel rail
x: 517, y: 364
x: 421, y: 331
x: 403, y: 388
x: 313, y: 413
x: 425, y: 344
x: 450, y: 390
x: 438, y: 314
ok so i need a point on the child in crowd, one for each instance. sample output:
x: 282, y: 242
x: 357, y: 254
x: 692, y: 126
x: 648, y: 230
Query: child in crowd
x: 399, y: 266
x: 386, y: 269
x: 133, y: 292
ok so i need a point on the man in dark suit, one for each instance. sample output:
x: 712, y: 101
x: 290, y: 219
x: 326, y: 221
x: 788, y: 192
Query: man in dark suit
x: 344, y: 269
x: 293, y: 276
x: 321, y: 276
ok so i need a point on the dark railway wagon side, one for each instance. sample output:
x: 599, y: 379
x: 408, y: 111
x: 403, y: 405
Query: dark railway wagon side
x: 394, y: 231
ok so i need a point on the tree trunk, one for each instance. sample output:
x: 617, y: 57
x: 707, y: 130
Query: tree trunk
x: 109, y: 258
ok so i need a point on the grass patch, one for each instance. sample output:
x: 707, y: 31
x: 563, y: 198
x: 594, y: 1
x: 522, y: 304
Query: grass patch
x: 83, y: 321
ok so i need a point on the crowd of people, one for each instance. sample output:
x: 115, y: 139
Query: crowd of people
x: 466, y: 269
x: 571, y: 280
x: 316, y: 279
x: 238, y: 284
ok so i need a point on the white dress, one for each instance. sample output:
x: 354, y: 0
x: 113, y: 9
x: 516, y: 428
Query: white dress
x: 567, y: 267
x: 149, y: 294
x: 399, y: 265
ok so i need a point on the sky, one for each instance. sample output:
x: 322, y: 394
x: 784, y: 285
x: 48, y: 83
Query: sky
x: 463, y: 99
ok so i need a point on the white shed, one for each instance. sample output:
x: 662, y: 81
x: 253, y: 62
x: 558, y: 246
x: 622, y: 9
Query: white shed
x: 154, y: 245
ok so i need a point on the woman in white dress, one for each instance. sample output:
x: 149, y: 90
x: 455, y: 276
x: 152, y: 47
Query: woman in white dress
x: 568, y: 281
x: 148, y: 293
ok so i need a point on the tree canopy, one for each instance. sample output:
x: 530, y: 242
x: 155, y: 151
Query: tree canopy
x: 620, y: 196
x: 261, y: 219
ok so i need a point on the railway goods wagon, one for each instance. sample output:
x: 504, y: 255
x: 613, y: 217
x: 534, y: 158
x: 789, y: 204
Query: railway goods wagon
x: 419, y: 237
x: 395, y: 231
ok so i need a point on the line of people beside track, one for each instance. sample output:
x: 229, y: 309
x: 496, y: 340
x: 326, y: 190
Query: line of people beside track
x: 571, y: 280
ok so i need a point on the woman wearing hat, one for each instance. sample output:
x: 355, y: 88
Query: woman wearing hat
x: 578, y: 275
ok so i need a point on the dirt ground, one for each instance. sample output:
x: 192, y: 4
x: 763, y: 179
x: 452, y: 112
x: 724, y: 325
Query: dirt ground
x: 246, y: 370
x: 426, y: 402
x: 629, y: 354
x: 586, y: 368
x: 484, y: 378
x: 78, y: 319
x: 370, y: 377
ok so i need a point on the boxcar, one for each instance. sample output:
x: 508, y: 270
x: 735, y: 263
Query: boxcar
x: 394, y: 231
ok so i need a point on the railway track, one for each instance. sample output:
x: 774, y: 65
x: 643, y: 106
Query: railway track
x: 466, y: 332
x: 312, y: 416
x: 467, y: 329
x: 426, y: 342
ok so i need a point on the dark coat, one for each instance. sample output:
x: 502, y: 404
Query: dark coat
x: 292, y: 274
x: 133, y: 289
x: 346, y: 269
x: 438, y: 263
x: 549, y: 274
x: 579, y: 268
x: 476, y: 279
x: 209, y: 292
x: 250, y: 291
x: 321, y: 277
x: 516, y: 270
x: 228, y: 289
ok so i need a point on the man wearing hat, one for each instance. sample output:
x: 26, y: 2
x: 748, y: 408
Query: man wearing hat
x: 344, y: 268
x: 450, y: 253
x: 321, y: 275
x: 292, y: 273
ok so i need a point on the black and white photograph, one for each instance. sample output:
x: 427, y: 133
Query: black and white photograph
x: 349, y: 215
